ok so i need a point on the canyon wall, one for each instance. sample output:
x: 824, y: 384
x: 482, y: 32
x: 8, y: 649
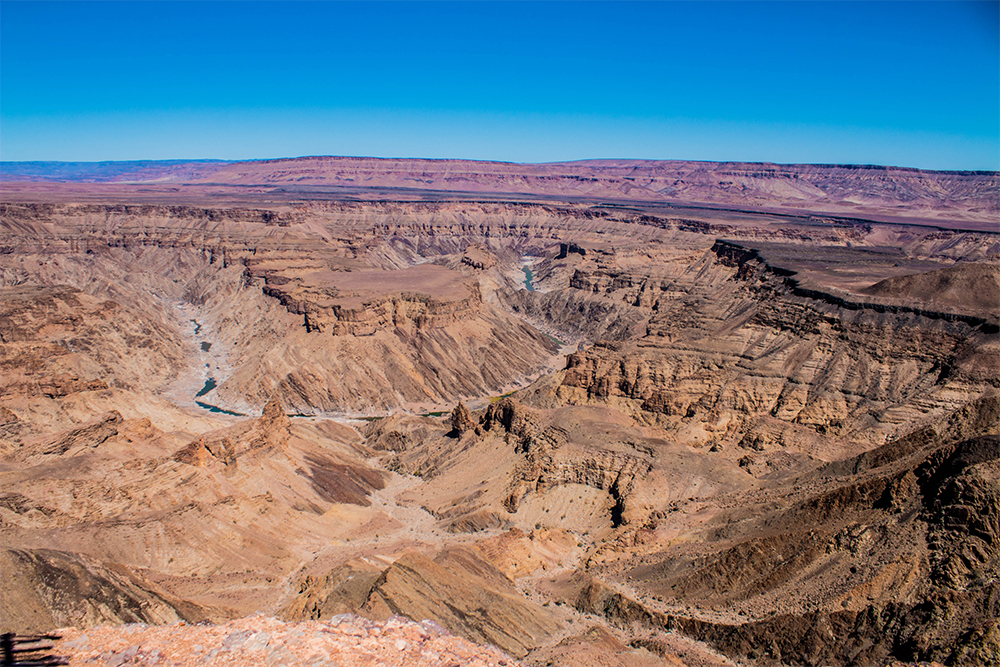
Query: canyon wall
x: 749, y: 434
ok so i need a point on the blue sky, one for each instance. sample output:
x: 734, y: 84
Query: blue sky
x: 908, y: 84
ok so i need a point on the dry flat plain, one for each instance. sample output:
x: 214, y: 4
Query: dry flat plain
x: 617, y: 413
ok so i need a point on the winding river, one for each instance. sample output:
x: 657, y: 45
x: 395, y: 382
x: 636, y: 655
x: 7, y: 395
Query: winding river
x: 210, y: 384
x: 529, y: 277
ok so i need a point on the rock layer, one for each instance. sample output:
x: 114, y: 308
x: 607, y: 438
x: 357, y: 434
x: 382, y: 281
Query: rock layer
x: 850, y: 189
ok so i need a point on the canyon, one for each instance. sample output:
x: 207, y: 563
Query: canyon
x: 731, y: 414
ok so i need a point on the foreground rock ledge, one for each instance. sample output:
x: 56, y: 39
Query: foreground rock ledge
x: 345, y: 639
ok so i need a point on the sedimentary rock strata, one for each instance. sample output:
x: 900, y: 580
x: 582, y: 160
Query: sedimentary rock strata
x: 843, y: 189
x: 863, y: 541
x: 705, y: 435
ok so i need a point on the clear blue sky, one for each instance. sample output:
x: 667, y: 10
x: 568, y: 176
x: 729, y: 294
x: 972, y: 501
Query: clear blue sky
x: 909, y: 84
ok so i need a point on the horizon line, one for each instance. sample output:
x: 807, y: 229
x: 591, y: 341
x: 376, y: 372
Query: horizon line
x: 852, y: 165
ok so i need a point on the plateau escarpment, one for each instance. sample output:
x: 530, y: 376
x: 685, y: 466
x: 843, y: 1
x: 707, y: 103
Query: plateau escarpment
x: 363, y: 302
x: 772, y: 437
x: 851, y: 190
x: 731, y: 345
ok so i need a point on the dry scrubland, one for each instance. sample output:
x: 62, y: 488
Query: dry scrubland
x: 247, y: 416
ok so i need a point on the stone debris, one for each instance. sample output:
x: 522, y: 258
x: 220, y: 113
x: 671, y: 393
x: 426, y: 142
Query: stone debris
x: 346, y: 640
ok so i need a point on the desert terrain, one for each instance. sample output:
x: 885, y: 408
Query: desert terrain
x: 616, y: 413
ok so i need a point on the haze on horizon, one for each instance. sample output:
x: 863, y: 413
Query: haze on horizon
x: 905, y: 84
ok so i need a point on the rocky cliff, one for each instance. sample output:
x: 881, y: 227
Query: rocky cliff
x: 731, y: 344
x: 881, y: 556
x: 253, y: 287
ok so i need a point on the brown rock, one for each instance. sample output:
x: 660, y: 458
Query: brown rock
x: 466, y: 594
x: 461, y: 420
x: 479, y: 257
x: 343, y: 640
x: 7, y: 416
x: 44, y: 589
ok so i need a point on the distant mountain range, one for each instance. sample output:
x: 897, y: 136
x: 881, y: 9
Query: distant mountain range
x: 835, y: 189
x: 107, y: 172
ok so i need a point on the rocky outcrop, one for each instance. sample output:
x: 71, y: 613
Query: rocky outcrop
x: 463, y: 592
x: 852, y: 553
x: 520, y: 423
x: 44, y: 589
x: 566, y: 248
x: 344, y: 589
x: 57, y: 340
x: 345, y: 639
x: 774, y: 352
x: 547, y: 462
x: 479, y: 257
x: 461, y: 421
x: 258, y: 436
